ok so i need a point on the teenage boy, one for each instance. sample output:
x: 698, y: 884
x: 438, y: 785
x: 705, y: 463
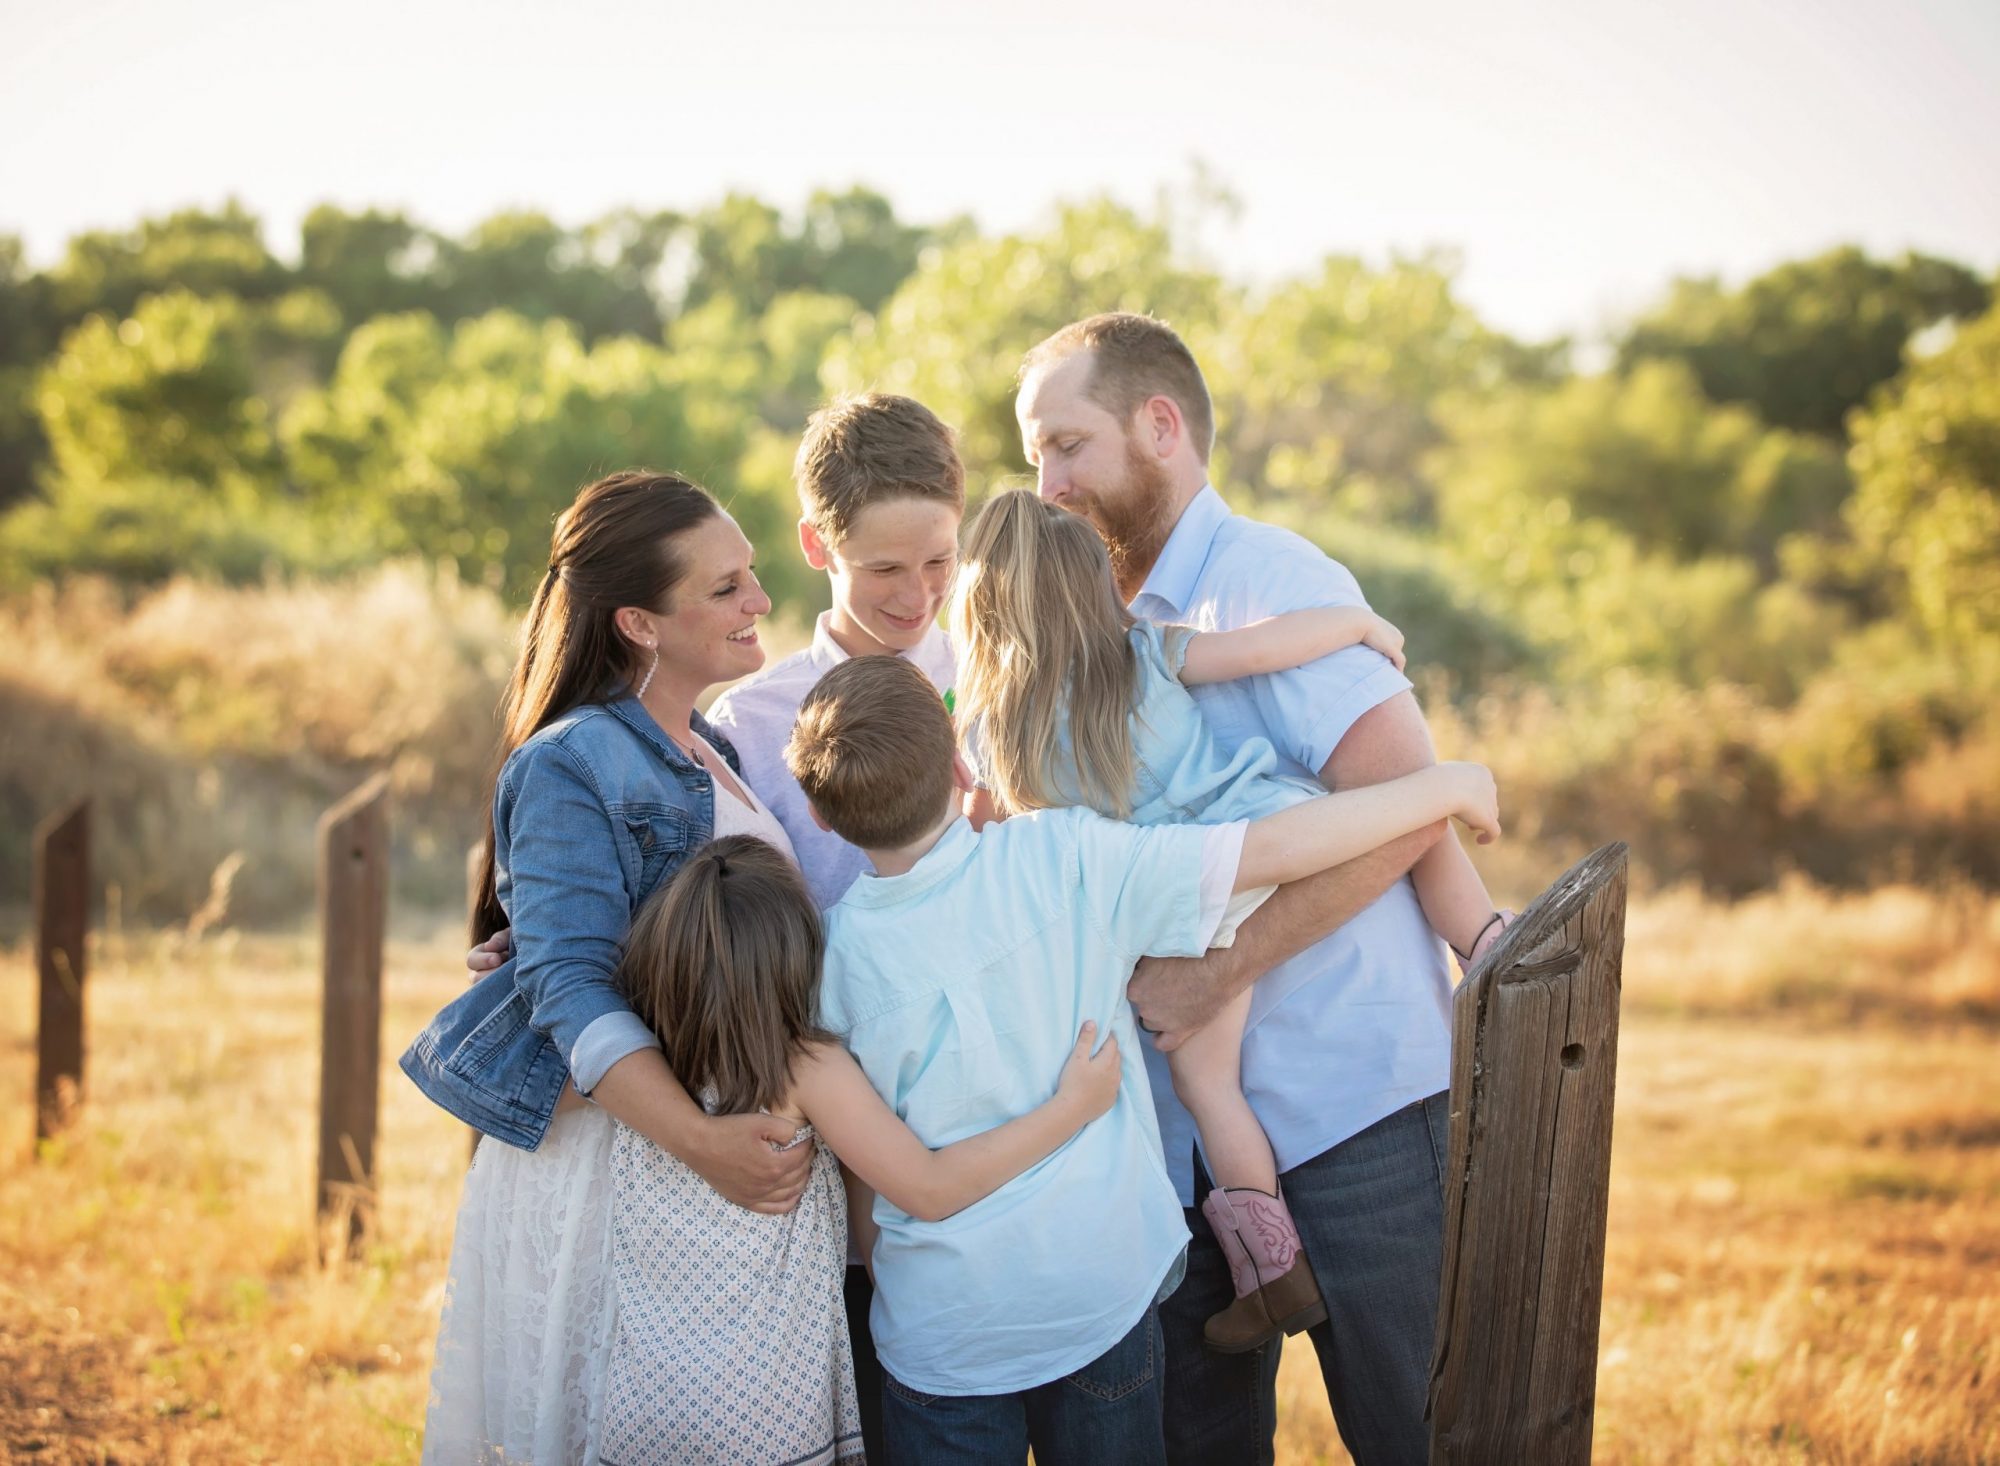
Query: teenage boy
x: 881, y: 492
x: 962, y: 967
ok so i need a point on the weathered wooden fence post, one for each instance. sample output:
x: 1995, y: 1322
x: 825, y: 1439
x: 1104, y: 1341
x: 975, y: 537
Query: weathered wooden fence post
x: 1534, y: 1057
x: 353, y: 916
x: 61, y: 897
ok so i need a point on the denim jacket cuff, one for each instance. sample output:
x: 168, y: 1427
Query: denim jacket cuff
x: 605, y: 1041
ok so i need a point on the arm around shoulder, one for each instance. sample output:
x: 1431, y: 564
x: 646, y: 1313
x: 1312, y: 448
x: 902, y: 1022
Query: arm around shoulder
x: 872, y: 1141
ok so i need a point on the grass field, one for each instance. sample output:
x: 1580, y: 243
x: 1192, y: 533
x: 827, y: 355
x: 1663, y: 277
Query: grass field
x: 1803, y: 1259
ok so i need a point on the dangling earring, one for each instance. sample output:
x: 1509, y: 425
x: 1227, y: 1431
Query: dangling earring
x: 647, y: 681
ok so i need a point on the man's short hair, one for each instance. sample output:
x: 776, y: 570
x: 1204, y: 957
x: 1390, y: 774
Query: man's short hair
x: 1133, y: 358
x: 872, y: 749
x: 870, y: 449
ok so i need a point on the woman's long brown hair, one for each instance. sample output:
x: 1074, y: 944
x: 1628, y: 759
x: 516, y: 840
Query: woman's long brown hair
x: 723, y: 963
x: 613, y: 547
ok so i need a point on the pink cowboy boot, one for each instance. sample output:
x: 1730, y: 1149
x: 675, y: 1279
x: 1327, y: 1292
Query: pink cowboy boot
x: 1275, y: 1290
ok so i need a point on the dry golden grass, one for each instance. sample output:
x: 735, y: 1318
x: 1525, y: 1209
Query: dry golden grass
x: 1803, y: 1259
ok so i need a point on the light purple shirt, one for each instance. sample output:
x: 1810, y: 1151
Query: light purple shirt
x: 757, y: 716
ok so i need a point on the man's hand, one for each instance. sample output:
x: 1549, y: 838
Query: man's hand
x: 738, y: 1156
x: 1177, y: 995
x: 492, y: 952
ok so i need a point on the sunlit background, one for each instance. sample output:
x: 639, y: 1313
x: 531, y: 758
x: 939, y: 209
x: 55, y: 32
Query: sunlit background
x: 1642, y: 362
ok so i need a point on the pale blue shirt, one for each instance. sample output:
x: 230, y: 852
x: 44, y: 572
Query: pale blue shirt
x: 757, y: 714
x: 959, y: 986
x: 1359, y: 1025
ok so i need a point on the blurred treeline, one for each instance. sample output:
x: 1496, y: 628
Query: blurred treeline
x: 1733, y: 594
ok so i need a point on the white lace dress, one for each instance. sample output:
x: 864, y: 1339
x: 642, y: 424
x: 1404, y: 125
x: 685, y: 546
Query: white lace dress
x: 530, y: 1308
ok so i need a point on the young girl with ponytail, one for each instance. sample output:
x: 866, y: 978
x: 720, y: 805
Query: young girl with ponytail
x: 1067, y: 699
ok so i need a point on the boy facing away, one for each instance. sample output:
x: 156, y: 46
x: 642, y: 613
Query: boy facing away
x: 958, y: 975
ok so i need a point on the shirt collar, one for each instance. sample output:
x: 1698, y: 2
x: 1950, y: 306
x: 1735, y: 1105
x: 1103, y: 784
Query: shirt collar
x: 932, y: 655
x: 627, y: 708
x: 951, y: 851
x: 1174, y: 575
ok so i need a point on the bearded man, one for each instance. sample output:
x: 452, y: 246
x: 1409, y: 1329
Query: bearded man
x: 1347, y: 1058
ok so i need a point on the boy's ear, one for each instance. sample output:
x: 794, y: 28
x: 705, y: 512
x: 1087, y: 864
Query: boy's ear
x: 961, y: 774
x: 812, y: 546
x: 818, y: 818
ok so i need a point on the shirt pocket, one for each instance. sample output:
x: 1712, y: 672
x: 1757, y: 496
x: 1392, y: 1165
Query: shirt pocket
x: 656, y: 838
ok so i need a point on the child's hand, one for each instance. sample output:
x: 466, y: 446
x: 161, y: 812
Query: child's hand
x: 490, y: 953
x: 1474, y: 799
x: 1384, y: 637
x: 1090, y: 1081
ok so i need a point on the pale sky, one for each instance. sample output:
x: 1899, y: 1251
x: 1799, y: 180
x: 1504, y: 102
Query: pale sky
x: 1576, y: 154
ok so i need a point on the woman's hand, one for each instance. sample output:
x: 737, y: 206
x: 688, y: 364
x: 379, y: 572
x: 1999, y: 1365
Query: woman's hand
x: 738, y: 1155
x: 492, y: 952
x: 1089, y: 1082
x: 1381, y: 634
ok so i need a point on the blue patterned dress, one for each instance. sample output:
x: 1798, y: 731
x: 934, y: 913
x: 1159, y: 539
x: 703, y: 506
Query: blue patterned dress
x: 731, y: 1346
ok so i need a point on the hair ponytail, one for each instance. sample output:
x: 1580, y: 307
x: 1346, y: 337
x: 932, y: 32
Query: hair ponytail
x: 613, y: 546
x: 1041, y: 637
x: 723, y: 964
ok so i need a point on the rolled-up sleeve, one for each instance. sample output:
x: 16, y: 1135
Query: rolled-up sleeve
x: 604, y: 1043
x: 571, y: 912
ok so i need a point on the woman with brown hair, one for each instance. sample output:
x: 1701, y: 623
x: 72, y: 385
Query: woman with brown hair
x: 608, y: 779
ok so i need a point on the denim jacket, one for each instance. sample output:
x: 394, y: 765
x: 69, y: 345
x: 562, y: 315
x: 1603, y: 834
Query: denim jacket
x: 590, y: 816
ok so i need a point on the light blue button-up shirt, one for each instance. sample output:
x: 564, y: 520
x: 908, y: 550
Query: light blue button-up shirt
x: 959, y: 986
x: 1359, y: 1025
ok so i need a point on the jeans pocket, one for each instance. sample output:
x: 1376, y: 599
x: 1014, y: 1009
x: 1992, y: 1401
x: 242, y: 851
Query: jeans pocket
x: 904, y: 1392
x: 1126, y: 1366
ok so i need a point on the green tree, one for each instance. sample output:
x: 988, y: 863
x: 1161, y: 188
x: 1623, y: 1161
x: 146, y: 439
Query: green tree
x: 26, y: 338
x: 161, y: 453
x: 206, y: 254
x: 371, y: 263
x: 858, y: 247
x: 1326, y: 390
x: 526, y: 263
x: 1807, y: 342
x: 467, y: 447
x: 954, y: 334
x: 1646, y: 452
x: 1926, y: 509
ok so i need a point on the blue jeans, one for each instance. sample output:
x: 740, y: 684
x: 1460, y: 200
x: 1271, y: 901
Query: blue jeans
x: 1371, y: 1214
x: 1106, y: 1414
x: 859, y: 1294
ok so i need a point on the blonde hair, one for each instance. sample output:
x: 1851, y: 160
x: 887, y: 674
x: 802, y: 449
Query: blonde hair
x: 723, y: 964
x: 872, y: 749
x: 1133, y: 357
x: 1041, y: 638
